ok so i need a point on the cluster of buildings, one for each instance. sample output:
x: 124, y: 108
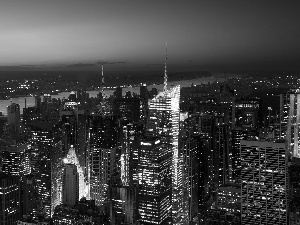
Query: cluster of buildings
x: 180, y: 156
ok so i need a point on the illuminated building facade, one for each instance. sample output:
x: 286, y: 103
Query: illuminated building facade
x: 264, y: 182
x: 124, y: 176
x: 248, y: 113
x: 9, y: 199
x: 100, y: 175
x: 83, y: 184
x: 74, y: 133
x: 15, y: 160
x: 190, y: 150
x: 123, y: 208
x: 229, y: 199
x: 102, y: 142
x: 226, y: 206
x: 70, y: 185
x: 57, y: 167
x: 163, y: 122
x: 74, y: 136
x: 30, y: 201
x: 294, y: 194
x: 238, y: 134
x: 221, y: 157
x: 84, y: 212
x: 40, y: 152
x: 155, y: 182
x: 127, y: 107
x: 290, y: 120
x: 130, y: 138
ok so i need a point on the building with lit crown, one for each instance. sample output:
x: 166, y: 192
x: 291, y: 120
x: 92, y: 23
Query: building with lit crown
x: 163, y: 122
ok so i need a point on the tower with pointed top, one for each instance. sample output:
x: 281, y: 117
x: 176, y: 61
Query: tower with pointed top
x: 104, y: 107
x: 102, y: 83
x: 166, y: 75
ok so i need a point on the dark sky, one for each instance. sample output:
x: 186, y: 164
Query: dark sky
x: 76, y: 34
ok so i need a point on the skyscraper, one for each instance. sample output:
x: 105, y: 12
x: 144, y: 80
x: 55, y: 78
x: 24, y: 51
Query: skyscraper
x: 13, y: 114
x: 264, y: 182
x: 102, y: 141
x: 15, y: 160
x: 30, y: 201
x: 238, y: 134
x: 294, y: 194
x: 155, y: 182
x: 290, y: 120
x: 74, y: 137
x: 163, y: 122
x: 70, y: 186
x: 9, y: 199
x: 41, y: 164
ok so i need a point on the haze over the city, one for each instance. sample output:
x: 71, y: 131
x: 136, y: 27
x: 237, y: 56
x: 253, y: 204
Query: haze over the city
x: 131, y: 35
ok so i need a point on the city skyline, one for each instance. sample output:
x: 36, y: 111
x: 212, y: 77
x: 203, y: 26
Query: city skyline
x: 201, y: 35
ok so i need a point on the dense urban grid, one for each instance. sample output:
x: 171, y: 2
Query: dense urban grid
x: 217, y: 153
x: 149, y: 112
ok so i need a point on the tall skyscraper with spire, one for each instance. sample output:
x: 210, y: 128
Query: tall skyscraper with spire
x: 163, y: 125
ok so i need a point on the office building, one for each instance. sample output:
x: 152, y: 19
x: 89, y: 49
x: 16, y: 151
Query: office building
x: 248, y: 113
x: 73, y: 123
x: 294, y: 194
x: 102, y: 142
x: 127, y: 108
x: 264, y: 179
x: 155, y: 182
x: 30, y: 198
x: 15, y: 160
x: 123, y: 209
x: 9, y: 199
x: 290, y: 120
x: 70, y: 185
x: 13, y: 116
x: 190, y: 151
x: 238, y: 134
x: 163, y: 122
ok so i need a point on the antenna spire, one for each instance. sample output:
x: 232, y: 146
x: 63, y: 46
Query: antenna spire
x: 166, y: 75
x: 102, y: 83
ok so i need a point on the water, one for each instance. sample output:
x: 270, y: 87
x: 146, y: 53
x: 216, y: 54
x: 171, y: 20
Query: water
x: 31, y: 102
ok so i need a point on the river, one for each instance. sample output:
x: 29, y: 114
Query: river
x: 31, y: 102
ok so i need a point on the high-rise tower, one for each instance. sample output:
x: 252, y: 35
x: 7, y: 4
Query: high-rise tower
x: 290, y: 121
x: 70, y: 187
x: 264, y: 182
x: 9, y: 199
x: 155, y: 182
x: 163, y: 122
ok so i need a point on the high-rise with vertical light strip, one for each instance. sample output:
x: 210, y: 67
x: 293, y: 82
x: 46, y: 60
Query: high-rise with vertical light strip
x: 163, y: 122
x: 290, y: 120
